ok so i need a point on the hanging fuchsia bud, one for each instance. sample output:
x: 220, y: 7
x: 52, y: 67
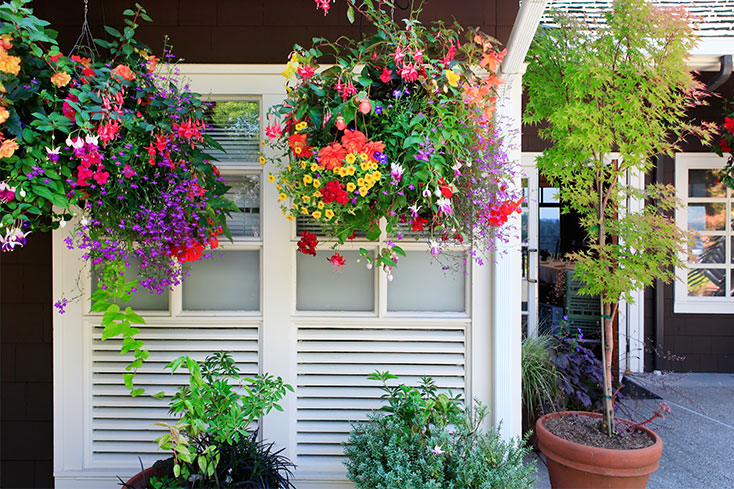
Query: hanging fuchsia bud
x: 365, y: 106
x: 340, y: 124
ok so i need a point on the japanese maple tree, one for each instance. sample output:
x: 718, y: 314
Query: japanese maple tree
x: 618, y: 87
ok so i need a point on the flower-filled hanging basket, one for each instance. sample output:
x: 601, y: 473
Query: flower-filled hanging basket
x: 112, y: 139
x: 399, y: 128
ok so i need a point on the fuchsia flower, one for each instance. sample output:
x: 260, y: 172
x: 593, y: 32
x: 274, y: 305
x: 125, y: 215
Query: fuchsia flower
x: 323, y: 5
x: 14, y: 237
x: 337, y: 261
x: 127, y: 171
x: 385, y: 76
x: 52, y: 154
x: 398, y: 56
x: 408, y: 72
x: 444, y: 206
x: 418, y: 56
x: 273, y: 131
x: 7, y: 193
x: 437, y: 450
x: 306, y: 72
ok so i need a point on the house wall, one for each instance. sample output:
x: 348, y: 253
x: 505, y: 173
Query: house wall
x: 216, y: 31
x: 690, y: 342
x: 26, y: 407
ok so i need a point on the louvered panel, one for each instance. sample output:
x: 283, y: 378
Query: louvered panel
x: 238, y: 146
x: 122, y: 427
x: 333, y: 391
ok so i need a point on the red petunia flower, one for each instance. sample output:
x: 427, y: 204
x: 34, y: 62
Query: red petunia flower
x: 307, y: 243
x: 354, y: 141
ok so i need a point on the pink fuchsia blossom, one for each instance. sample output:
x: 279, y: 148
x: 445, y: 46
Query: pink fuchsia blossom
x: 273, y: 131
x: 348, y: 90
x: 323, y: 5
x: 418, y: 56
x: 398, y: 56
x: 396, y: 172
x: 435, y: 248
x: 306, y: 72
x: 337, y: 261
x: 52, y: 154
x: 414, y: 210
x: 7, y: 193
x: 408, y: 72
x: 14, y: 238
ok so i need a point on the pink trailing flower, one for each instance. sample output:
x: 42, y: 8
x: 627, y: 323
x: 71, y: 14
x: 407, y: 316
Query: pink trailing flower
x: 7, y: 193
x: 306, y: 72
x: 444, y: 206
x: 398, y: 56
x: 323, y: 5
x: 108, y: 131
x: 385, y: 76
x: 409, y: 72
x: 273, y: 131
x: 128, y: 172
x: 337, y: 261
x: 14, y: 238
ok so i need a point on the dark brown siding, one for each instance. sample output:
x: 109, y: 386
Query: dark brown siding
x: 253, y: 31
x: 26, y: 396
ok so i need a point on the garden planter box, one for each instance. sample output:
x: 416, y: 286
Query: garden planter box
x: 140, y: 480
x: 572, y: 465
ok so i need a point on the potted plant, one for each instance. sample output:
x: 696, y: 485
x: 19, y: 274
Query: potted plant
x: 401, y: 129
x: 621, y: 87
x: 212, y: 442
x: 428, y: 439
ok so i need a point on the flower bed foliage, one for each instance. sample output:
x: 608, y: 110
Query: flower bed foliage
x: 423, y: 438
x: 726, y: 143
x: 114, y: 142
x: 400, y: 127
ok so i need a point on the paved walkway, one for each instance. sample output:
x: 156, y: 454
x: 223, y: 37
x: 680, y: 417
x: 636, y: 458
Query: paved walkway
x: 698, y: 433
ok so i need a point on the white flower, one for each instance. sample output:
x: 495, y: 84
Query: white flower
x: 414, y: 210
x: 435, y: 247
x: 75, y: 143
x: 437, y: 450
x: 91, y: 139
x: 444, y: 205
x: 426, y: 193
x: 62, y: 223
x: 84, y: 222
x: 22, y: 193
x: 389, y: 277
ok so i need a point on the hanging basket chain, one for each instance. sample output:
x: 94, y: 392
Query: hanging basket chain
x: 85, y: 42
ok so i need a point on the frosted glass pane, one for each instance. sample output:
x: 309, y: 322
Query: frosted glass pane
x: 420, y: 284
x: 228, y: 281
x: 143, y: 299
x: 245, y: 193
x: 320, y: 287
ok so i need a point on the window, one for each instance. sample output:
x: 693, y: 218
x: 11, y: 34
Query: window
x: 421, y: 284
x: 706, y: 284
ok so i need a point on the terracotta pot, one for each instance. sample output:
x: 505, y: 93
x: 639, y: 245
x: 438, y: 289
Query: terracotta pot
x: 140, y: 480
x: 572, y: 465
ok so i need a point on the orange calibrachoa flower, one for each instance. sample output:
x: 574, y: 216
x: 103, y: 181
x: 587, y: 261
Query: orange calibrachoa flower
x: 60, y: 79
x: 7, y: 148
x: 4, y: 114
x: 123, y: 71
x: 332, y: 156
x: 5, y: 41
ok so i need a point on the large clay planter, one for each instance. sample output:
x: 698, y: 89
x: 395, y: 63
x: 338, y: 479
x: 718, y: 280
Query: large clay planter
x: 575, y: 466
x: 140, y: 480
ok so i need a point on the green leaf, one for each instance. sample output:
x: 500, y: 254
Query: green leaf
x: 128, y: 379
x: 350, y: 14
x: 398, y: 250
x: 411, y: 140
x: 112, y: 31
x: 137, y: 392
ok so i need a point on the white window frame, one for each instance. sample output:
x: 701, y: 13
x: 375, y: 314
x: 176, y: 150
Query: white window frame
x: 682, y: 302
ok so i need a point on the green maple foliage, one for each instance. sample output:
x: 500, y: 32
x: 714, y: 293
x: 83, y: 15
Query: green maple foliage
x: 621, y: 88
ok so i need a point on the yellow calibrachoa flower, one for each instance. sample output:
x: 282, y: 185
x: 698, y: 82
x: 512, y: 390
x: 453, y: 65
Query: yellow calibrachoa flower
x: 365, y: 165
x: 316, y: 214
x: 351, y: 169
x: 304, y: 211
x: 282, y: 196
x: 262, y: 160
x: 321, y: 205
x: 303, y: 165
x: 363, y: 156
x: 329, y: 213
x: 317, y: 194
x: 289, y: 217
x: 316, y: 183
x: 351, y: 187
x: 307, y: 179
x: 368, y: 178
x: 301, y: 126
x: 350, y: 158
x: 377, y: 175
x: 360, y: 182
x: 314, y: 167
x: 271, y: 178
x: 305, y: 198
x: 363, y: 191
x: 373, y: 165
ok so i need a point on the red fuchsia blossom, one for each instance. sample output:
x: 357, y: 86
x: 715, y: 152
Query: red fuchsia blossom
x: 445, y: 188
x: 386, y: 75
x: 190, y: 130
x: 323, y: 5
x: 108, y: 131
x: 337, y: 261
x: 7, y: 193
x: 500, y: 213
x: 68, y: 111
x: 307, y: 243
x: 348, y: 90
x: 729, y: 124
x: 409, y: 72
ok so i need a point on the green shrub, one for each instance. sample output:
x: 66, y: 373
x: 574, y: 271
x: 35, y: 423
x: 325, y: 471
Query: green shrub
x: 423, y: 439
x: 539, y: 374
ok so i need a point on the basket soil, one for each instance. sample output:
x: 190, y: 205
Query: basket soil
x: 575, y: 466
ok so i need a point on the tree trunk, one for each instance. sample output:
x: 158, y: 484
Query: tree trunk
x: 607, y: 342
